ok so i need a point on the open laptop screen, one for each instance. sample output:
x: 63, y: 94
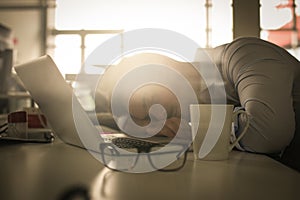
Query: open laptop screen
x: 56, y: 100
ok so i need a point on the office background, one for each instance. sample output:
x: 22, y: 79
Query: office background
x: 70, y: 30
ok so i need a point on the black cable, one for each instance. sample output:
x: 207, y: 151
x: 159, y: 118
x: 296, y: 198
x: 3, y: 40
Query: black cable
x: 5, y: 128
x: 2, y: 125
x: 3, y: 131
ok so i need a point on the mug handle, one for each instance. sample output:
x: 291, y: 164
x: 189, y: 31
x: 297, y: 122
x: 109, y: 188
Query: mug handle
x: 245, y: 128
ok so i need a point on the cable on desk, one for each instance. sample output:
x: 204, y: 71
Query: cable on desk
x: 3, y: 128
x: 3, y: 125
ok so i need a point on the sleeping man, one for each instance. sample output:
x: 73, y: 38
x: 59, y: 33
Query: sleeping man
x: 259, y: 77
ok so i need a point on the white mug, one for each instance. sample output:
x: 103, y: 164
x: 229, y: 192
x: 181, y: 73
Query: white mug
x: 211, y: 130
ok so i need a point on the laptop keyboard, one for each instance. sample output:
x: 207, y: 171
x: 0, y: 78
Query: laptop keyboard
x: 124, y: 142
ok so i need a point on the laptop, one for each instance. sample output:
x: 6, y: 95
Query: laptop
x: 62, y: 109
x: 57, y: 102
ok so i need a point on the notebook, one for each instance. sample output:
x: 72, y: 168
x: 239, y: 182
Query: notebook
x: 58, y: 103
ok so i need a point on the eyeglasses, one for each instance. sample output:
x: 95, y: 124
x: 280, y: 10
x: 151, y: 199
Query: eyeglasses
x: 125, y: 156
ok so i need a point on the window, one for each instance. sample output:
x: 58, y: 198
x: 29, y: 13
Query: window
x: 280, y: 23
x: 199, y: 20
x: 67, y: 53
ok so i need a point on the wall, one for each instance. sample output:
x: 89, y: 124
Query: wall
x: 24, y: 18
x: 246, y: 18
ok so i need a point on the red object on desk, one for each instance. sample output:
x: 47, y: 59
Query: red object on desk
x: 22, y: 117
x: 17, y: 117
x: 34, y: 121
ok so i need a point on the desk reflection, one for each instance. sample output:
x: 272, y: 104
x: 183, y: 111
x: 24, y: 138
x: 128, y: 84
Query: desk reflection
x: 243, y: 176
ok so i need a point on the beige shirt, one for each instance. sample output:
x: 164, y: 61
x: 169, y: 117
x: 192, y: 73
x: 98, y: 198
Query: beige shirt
x: 265, y: 80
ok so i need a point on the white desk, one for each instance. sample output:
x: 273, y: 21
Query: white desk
x: 45, y: 171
